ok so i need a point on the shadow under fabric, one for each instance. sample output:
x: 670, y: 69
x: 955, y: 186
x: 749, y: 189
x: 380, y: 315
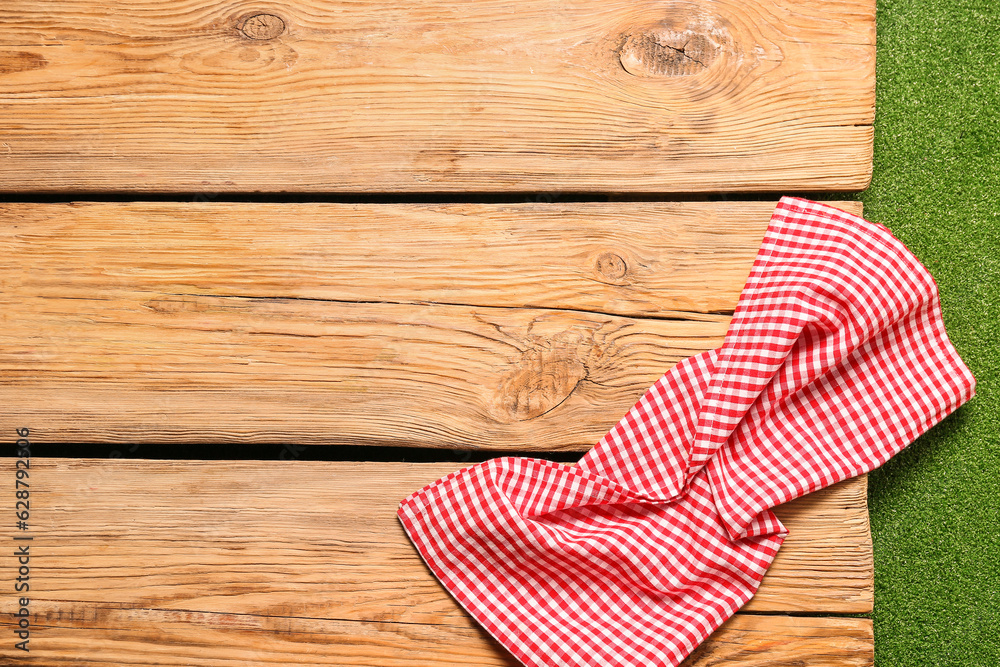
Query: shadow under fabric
x: 836, y: 359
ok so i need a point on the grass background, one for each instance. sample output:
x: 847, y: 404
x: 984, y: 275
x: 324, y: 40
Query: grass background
x: 934, y: 507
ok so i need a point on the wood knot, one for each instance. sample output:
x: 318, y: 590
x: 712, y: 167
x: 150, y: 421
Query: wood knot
x: 262, y: 26
x: 686, y: 41
x: 543, y: 379
x: 611, y: 266
x: 668, y: 53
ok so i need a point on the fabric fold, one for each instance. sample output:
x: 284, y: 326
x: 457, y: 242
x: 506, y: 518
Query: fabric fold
x: 836, y: 358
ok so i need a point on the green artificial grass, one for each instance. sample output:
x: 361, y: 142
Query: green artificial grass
x: 934, y: 507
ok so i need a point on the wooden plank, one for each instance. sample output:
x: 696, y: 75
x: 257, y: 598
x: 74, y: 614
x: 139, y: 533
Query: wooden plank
x: 327, y: 95
x: 195, y: 516
x: 139, y: 637
x: 101, y: 635
x: 325, y: 324
x: 304, y: 562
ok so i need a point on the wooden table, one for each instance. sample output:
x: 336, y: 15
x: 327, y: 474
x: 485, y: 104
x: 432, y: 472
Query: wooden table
x: 491, y: 227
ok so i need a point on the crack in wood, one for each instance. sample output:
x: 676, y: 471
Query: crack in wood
x: 95, y: 605
x: 668, y: 316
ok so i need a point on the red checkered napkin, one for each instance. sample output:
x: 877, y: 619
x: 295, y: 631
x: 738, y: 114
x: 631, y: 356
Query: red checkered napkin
x: 835, y: 360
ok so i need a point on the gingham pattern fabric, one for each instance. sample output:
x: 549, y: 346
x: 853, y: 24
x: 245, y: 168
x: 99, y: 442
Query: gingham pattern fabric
x: 836, y: 358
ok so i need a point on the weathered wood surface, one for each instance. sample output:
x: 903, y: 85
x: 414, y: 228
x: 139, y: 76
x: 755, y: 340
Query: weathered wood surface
x: 327, y: 95
x: 304, y: 562
x: 520, y: 326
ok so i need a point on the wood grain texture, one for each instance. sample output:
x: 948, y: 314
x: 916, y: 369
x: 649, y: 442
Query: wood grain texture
x: 826, y: 563
x: 304, y: 562
x: 327, y: 95
x: 433, y: 325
